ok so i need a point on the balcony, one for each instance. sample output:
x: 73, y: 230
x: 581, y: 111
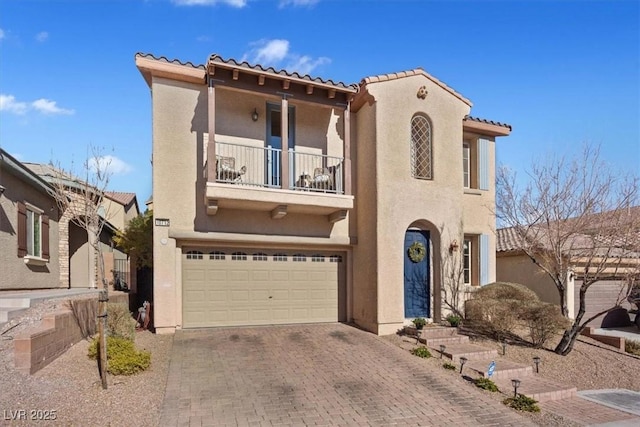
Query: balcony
x: 250, y: 177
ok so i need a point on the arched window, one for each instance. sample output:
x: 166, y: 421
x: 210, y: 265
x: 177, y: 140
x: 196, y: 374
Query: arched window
x: 194, y: 255
x: 217, y: 255
x: 238, y: 256
x: 421, y: 148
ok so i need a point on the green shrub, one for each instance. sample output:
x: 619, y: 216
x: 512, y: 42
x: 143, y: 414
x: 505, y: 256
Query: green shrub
x: 122, y: 356
x: 522, y: 403
x: 419, y: 322
x: 454, y: 320
x: 449, y: 366
x: 631, y: 346
x: 120, y: 322
x: 543, y: 321
x: 486, y: 384
x: 421, y: 352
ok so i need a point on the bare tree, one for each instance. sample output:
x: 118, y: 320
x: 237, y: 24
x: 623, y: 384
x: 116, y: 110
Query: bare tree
x: 453, y: 289
x: 578, y: 217
x: 80, y: 201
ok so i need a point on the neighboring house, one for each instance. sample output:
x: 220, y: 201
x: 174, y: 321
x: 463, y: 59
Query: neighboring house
x: 280, y: 198
x: 77, y: 257
x: 28, y: 228
x: 513, y: 265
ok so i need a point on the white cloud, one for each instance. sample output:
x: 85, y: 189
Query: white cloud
x: 2, y: 35
x: 305, y: 64
x: 297, y: 3
x: 232, y: 3
x: 9, y: 103
x: 42, y: 36
x: 276, y: 52
x: 46, y: 106
x: 109, y: 164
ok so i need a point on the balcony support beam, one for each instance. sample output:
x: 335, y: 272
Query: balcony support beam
x: 279, y: 212
x: 347, y: 150
x: 212, y: 207
x: 337, y: 216
x: 211, y: 144
x: 284, y: 115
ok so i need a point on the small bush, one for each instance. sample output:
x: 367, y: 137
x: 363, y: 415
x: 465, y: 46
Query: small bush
x: 486, y: 384
x: 522, y: 403
x: 543, y: 320
x: 122, y: 356
x: 449, y: 366
x: 631, y: 346
x: 120, y: 322
x: 419, y: 322
x: 454, y: 320
x: 421, y: 352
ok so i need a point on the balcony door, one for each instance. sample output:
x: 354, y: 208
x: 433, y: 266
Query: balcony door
x: 274, y: 142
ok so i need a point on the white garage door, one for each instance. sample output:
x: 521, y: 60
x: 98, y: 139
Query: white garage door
x: 234, y: 287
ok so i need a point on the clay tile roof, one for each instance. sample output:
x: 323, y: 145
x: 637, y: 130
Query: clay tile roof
x: 489, y: 122
x: 414, y: 72
x: 507, y: 240
x: 230, y: 62
x: 120, y: 197
x: 169, y: 61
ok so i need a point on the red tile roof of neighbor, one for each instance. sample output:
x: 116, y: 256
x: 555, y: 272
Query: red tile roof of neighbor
x: 120, y: 197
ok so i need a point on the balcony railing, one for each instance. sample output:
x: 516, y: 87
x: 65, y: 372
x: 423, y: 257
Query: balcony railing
x: 262, y: 167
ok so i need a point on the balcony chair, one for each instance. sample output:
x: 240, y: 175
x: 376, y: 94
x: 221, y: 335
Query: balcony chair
x: 226, y: 167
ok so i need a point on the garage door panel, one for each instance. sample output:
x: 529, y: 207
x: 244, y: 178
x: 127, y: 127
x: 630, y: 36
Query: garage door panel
x: 260, y: 290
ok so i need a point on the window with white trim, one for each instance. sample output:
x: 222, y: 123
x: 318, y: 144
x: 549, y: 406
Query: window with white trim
x: 317, y: 258
x: 466, y: 262
x: 279, y: 257
x: 33, y: 232
x: 194, y: 255
x: 335, y: 258
x: 238, y: 256
x: 421, y: 148
x: 466, y: 164
x: 217, y: 255
x: 260, y: 256
x: 299, y: 258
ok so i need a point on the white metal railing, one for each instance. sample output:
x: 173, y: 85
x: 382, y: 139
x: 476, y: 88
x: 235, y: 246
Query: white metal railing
x: 262, y: 167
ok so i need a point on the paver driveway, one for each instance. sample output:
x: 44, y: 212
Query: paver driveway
x: 329, y: 374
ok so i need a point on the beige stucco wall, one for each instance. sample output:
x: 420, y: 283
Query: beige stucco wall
x: 520, y: 269
x: 14, y: 273
x: 401, y: 201
x: 179, y: 143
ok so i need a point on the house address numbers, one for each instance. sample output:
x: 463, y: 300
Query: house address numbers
x: 162, y: 222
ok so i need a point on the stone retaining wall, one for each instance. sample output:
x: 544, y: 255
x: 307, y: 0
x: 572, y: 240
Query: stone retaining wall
x: 36, y: 348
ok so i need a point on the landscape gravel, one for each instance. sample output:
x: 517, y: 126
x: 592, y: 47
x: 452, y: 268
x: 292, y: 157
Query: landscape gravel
x: 69, y: 388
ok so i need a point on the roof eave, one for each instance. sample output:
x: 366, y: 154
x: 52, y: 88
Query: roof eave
x: 150, y: 67
x: 486, y: 128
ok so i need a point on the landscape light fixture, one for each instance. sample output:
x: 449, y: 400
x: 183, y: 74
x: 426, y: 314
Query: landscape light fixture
x: 442, y: 349
x: 516, y: 384
x: 504, y: 347
x: 536, y: 360
x: 1, y: 190
x: 254, y: 115
x: 463, y: 360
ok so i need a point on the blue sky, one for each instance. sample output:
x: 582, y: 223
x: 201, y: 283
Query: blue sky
x: 562, y: 73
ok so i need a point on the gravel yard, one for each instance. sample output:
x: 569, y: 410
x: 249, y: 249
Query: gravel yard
x: 71, y: 386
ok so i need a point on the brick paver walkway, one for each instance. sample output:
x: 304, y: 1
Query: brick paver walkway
x: 589, y: 413
x: 329, y: 374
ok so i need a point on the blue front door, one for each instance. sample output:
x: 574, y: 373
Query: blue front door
x: 416, y: 275
x: 274, y: 141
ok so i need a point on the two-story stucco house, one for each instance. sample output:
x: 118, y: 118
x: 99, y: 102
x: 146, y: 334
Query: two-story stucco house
x: 281, y: 198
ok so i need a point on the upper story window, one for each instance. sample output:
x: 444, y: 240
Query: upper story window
x: 466, y: 164
x: 475, y: 163
x: 421, y: 148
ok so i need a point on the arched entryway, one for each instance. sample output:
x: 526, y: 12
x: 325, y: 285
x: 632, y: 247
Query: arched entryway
x: 417, y: 273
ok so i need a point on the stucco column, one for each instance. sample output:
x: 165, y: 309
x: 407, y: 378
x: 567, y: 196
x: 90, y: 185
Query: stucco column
x: 347, y: 149
x: 284, y: 115
x: 211, y: 144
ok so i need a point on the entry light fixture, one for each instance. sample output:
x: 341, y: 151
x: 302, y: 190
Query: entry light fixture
x: 254, y: 115
x: 453, y: 247
x: 463, y: 360
x: 516, y: 384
